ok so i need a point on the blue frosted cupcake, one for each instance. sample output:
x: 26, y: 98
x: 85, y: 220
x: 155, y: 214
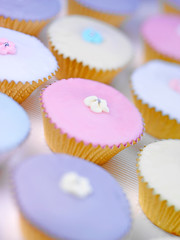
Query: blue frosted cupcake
x: 110, y: 11
x: 14, y: 125
x: 64, y: 197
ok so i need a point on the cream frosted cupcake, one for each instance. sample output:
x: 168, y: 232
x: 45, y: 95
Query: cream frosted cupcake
x: 25, y: 64
x: 27, y: 16
x: 161, y: 34
x: 158, y: 173
x: 156, y: 93
x: 110, y: 11
x: 171, y: 6
x: 88, y: 119
x: 87, y: 48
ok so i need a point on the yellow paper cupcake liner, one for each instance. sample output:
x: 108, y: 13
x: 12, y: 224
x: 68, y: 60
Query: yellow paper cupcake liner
x: 170, y: 9
x: 59, y: 142
x: 28, y: 27
x: 74, y: 69
x: 151, y: 53
x: 157, y: 124
x: 30, y: 232
x: 20, y: 91
x: 76, y: 8
x: 157, y: 210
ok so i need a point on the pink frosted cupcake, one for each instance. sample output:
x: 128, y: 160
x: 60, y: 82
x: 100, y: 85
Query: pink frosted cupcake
x: 161, y: 35
x: 89, y: 119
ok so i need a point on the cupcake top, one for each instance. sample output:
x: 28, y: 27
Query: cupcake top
x: 92, y: 42
x: 157, y: 84
x: 163, y: 39
x: 175, y: 3
x: 92, y: 112
x: 69, y: 198
x: 111, y: 7
x: 24, y: 58
x: 29, y: 9
x: 14, y: 124
x: 160, y: 166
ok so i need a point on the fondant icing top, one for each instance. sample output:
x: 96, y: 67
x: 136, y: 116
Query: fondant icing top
x: 30, y: 62
x: 159, y: 165
x: 63, y: 102
x: 29, y: 9
x: 112, y: 6
x: 104, y: 214
x: 162, y: 32
x: 112, y: 52
x: 14, y: 124
x: 152, y: 84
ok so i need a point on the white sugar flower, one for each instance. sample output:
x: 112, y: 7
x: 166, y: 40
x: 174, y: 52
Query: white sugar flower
x: 74, y: 184
x: 96, y: 104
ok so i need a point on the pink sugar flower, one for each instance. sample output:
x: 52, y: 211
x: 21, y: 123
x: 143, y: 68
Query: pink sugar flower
x: 7, y: 47
x: 175, y: 84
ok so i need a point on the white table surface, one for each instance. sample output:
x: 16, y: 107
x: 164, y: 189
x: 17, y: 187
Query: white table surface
x: 122, y: 166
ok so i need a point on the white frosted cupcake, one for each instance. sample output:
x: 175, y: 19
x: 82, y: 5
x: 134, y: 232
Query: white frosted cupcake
x: 159, y: 180
x: 25, y: 64
x: 87, y: 48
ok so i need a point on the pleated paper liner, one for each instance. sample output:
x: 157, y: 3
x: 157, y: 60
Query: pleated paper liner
x: 20, y: 91
x: 170, y: 9
x: 74, y: 69
x: 28, y: 27
x: 75, y: 8
x: 151, y: 53
x: 157, y: 124
x: 30, y: 232
x: 59, y: 142
x: 157, y: 210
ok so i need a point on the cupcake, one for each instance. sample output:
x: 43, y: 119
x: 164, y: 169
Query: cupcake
x: 64, y: 197
x: 25, y: 64
x: 171, y: 6
x: 158, y: 174
x: 161, y: 34
x: 112, y: 12
x: 14, y: 125
x: 156, y: 93
x: 87, y: 48
x: 27, y: 16
x: 88, y: 119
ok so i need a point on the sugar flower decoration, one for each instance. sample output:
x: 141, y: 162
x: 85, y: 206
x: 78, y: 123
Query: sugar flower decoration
x: 96, y: 104
x: 7, y: 47
x: 76, y: 185
x: 175, y: 85
x: 92, y: 36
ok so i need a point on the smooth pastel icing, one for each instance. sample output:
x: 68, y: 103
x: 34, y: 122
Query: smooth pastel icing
x: 111, y: 6
x: 160, y: 166
x: 14, y: 124
x: 163, y: 34
x: 32, y: 61
x: 151, y: 84
x: 114, y: 52
x: 29, y: 9
x: 74, y: 184
x: 104, y: 214
x: 63, y: 103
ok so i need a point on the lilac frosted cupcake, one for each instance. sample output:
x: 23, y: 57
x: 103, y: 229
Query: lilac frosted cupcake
x: 64, y: 197
x: 28, y: 16
x: 110, y: 11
